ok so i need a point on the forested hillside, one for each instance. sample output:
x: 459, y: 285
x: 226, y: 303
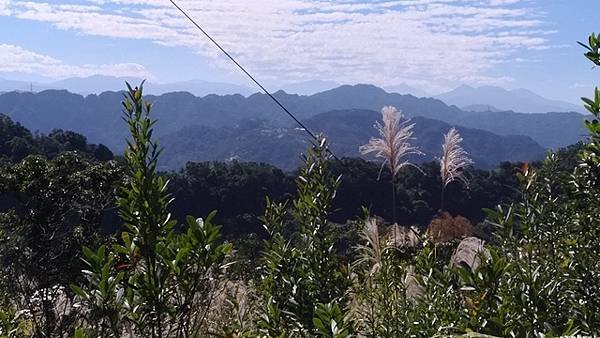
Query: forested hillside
x: 238, y: 189
x: 92, y: 116
x: 256, y: 141
x: 16, y: 142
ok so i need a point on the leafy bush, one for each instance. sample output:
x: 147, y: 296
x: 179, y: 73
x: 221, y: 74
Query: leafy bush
x: 156, y: 282
x: 301, y: 269
x: 57, y: 206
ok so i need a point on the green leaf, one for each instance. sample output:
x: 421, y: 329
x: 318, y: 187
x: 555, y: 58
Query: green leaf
x: 78, y: 291
x: 80, y: 333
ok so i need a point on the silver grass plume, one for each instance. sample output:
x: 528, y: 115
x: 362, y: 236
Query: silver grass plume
x: 454, y: 159
x: 370, y: 261
x: 394, y: 144
x: 371, y: 254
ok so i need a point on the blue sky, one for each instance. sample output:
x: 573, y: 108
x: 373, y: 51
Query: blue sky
x: 433, y: 45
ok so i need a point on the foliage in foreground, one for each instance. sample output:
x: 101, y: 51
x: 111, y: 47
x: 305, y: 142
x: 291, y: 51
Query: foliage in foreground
x: 62, y: 203
x: 538, y: 274
x: 304, y: 261
x: 155, y: 282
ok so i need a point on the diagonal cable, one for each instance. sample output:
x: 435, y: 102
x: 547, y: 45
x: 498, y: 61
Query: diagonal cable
x: 247, y: 73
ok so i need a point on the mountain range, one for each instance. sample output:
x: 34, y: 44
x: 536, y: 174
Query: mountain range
x: 309, y: 87
x: 97, y: 84
x: 465, y: 97
x: 518, y: 100
x: 256, y: 141
x: 183, y: 118
x: 403, y: 88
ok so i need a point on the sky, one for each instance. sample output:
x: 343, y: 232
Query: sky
x: 433, y: 45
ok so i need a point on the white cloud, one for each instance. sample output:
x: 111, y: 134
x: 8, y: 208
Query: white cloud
x: 504, y: 2
x: 383, y: 42
x: 4, y: 7
x: 17, y: 59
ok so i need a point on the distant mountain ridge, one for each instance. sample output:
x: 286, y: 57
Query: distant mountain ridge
x: 518, y: 100
x: 349, y: 129
x: 14, y: 85
x: 256, y: 141
x: 403, y: 88
x: 479, y: 108
x: 99, y: 118
x: 98, y: 84
x: 309, y: 87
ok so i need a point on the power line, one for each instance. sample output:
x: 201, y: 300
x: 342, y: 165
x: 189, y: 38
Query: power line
x: 248, y: 74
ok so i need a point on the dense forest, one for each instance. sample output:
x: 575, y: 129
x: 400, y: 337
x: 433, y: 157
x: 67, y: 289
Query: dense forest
x: 238, y: 189
x: 257, y: 141
x: 93, y: 245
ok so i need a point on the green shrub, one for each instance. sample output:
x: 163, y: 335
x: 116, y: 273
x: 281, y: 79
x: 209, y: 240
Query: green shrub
x: 301, y: 268
x: 156, y: 281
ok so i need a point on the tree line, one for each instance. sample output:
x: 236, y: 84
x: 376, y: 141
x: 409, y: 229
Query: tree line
x: 530, y: 267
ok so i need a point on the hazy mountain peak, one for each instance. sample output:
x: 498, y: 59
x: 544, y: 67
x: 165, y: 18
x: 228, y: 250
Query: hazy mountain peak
x: 97, y: 84
x: 361, y: 88
x: 280, y: 92
x: 103, y: 78
x: 464, y: 87
x: 519, y: 100
x: 405, y: 89
x: 309, y: 87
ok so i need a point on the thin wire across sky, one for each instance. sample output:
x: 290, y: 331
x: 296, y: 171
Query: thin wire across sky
x: 247, y: 73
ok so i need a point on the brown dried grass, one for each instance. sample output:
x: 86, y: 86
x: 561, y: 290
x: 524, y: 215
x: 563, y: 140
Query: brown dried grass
x: 445, y: 228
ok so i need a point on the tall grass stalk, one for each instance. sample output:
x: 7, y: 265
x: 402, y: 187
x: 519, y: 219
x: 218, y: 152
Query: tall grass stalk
x: 453, y: 162
x: 393, y: 145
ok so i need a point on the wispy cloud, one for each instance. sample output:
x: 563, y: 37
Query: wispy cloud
x: 17, y: 59
x: 383, y: 42
x: 4, y: 7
